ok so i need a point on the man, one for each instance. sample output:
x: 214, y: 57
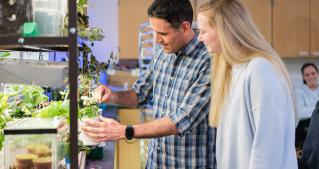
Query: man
x: 178, y: 82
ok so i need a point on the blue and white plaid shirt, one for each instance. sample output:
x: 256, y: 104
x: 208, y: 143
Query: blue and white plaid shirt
x: 179, y: 85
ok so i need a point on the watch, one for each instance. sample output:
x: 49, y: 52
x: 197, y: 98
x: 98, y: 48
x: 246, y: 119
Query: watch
x: 129, y: 132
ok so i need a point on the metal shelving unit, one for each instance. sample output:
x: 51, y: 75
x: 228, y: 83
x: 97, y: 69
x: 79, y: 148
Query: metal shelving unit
x: 51, y: 43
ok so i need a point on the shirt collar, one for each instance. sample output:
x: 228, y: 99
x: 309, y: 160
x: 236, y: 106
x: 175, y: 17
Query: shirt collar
x: 191, y: 45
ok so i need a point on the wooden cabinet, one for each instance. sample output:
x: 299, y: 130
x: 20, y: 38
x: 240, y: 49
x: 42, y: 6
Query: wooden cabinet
x: 314, y: 22
x: 196, y: 5
x: 291, y: 27
x: 259, y: 10
x: 193, y: 2
x: 261, y: 13
x: 132, y: 13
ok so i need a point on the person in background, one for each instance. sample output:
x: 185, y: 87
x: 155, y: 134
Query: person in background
x: 252, y: 100
x: 307, y: 95
x: 178, y: 81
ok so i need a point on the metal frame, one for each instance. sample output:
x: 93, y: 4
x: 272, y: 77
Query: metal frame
x: 29, y: 131
x: 71, y: 42
x: 73, y: 72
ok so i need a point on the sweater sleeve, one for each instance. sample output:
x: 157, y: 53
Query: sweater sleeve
x: 304, y: 110
x: 272, y: 118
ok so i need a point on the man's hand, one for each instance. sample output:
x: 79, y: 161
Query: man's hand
x: 105, y: 129
x: 103, y: 94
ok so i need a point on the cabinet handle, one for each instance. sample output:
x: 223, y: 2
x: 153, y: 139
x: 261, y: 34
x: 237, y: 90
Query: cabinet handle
x: 315, y: 53
x: 303, y: 53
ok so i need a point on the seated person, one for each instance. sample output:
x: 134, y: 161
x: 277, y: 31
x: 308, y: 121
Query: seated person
x: 307, y: 95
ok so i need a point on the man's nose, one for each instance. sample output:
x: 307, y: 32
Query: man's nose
x: 158, y: 38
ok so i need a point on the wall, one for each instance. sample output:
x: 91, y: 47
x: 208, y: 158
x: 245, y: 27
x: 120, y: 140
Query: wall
x: 104, y: 14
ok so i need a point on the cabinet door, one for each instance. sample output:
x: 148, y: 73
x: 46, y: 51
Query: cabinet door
x: 314, y: 34
x: 259, y: 10
x: 193, y: 2
x: 261, y: 13
x: 291, y: 27
x: 132, y: 13
x: 197, y: 4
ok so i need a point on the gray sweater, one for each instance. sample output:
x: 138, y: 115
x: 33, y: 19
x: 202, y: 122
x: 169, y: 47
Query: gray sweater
x: 306, y: 101
x: 257, y: 126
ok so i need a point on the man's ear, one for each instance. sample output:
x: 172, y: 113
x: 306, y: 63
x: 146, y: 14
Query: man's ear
x: 185, y: 26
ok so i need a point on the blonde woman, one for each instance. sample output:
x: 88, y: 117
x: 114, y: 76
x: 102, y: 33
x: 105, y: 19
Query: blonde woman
x: 252, y: 99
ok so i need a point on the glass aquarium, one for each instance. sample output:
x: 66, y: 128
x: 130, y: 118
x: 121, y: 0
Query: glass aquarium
x: 32, y: 17
x: 33, y: 143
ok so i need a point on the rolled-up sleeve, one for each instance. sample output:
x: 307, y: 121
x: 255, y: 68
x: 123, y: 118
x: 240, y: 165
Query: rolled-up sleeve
x: 144, y: 85
x: 195, y: 104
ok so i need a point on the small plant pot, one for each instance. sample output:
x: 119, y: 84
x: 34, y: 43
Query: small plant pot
x: 25, y: 161
x: 40, y: 150
x: 42, y: 163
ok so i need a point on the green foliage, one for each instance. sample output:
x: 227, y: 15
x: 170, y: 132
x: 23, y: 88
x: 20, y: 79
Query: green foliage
x: 2, y: 125
x: 53, y: 110
x: 3, y: 121
x: 62, y: 109
x: 91, y: 34
x: 24, y: 100
x: 4, y: 54
x: 3, y: 102
x: 81, y: 5
x: 89, y: 111
x: 33, y: 96
x: 1, y: 139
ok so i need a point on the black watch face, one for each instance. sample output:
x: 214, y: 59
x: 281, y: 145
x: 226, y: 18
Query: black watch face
x: 129, y: 132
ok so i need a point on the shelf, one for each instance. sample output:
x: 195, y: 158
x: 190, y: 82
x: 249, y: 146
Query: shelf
x: 52, y: 48
x: 36, y: 48
x: 31, y: 41
x: 41, y: 73
x: 11, y: 70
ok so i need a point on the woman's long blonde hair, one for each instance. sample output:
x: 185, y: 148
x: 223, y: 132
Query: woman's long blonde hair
x: 240, y: 41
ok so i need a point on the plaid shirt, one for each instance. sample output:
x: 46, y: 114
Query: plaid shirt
x: 179, y: 85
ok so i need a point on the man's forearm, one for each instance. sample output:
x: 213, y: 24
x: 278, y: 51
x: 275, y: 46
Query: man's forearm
x: 157, y: 128
x: 125, y: 98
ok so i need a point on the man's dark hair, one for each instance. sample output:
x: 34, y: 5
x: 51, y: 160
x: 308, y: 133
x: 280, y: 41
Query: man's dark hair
x: 304, y: 66
x: 174, y: 12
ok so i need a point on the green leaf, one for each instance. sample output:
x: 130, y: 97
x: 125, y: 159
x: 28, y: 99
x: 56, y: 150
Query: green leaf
x: 4, y: 54
x: 53, y: 110
x: 80, y: 10
x: 89, y: 111
x: 1, y: 140
x: 65, y: 107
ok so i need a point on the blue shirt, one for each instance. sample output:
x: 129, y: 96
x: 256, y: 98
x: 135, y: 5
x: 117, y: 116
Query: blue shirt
x: 179, y: 85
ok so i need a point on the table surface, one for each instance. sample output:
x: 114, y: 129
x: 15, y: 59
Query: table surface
x: 107, y: 162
